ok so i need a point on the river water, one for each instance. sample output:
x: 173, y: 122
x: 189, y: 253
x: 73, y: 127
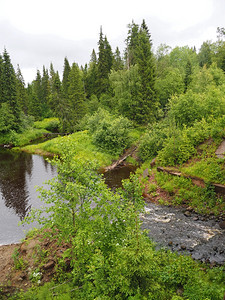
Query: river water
x: 20, y: 173
x: 169, y: 227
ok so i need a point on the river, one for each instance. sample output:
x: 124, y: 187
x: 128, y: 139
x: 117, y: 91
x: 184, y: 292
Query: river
x: 20, y: 173
x: 200, y: 237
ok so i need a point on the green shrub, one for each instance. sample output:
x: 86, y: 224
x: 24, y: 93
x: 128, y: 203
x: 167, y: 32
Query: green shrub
x: 109, y: 132
x: 152, y: 141
x: 50, y: 124
x: 177, y: 149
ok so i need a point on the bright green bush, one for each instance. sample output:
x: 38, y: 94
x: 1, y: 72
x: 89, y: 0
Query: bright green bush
x: 152, y: 142
x: 188, y: 108
x: 109, y: 132
x: 177, y: 150
x: 50, y: 124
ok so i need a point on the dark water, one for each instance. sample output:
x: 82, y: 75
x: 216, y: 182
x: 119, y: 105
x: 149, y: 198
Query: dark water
x: 113, y: 178
x: 20, y: 173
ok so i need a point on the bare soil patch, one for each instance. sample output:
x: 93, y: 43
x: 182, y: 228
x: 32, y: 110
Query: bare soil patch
x: 34, y: 261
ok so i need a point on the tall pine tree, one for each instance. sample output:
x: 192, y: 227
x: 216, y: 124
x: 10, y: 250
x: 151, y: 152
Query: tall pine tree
x: 105, y: 62
x: 131, y: 45
x: 21, y: 91
x: 9, y: 91
x: 76, y: 98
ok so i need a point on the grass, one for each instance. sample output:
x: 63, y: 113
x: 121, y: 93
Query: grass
x: 51, y: 124
x: 183, y: 191
x: 21, y: 139
x: 210, y: 170
x: 78, y: 144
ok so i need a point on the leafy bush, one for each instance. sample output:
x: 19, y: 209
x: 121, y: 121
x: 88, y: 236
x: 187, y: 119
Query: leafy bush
x: 152, y: 142
x: 177, y: 149
x: 188, y: 108
x: 50, y: 124
x: 109, y: 132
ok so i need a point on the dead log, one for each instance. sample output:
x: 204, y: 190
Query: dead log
x: 129, y: 152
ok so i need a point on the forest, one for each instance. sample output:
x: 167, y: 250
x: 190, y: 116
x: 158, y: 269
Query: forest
x: 170, y: 104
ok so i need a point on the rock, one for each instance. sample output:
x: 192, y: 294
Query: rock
x: 183, y: 247
x: 180, y: 292
x: 23, y: 248
x: 187, y: 213
x: 196, y: 218
x: 222, y: 224
x: 189, y: 208
x: 152, y: 163
x: 23, y: 276
x: 145, y: 173
x: 49, y: 265
x: 212, y: 264
x: 170, y: 243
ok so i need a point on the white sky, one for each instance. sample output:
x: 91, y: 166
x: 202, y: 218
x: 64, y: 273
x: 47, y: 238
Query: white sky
x: 36, y: 33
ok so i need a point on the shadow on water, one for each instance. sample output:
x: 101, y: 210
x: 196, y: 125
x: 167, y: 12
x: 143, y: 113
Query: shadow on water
x: 114, y: 178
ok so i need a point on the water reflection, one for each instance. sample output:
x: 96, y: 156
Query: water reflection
x: 14, y: 167
x: 114, y: 178
x: 20, y: 173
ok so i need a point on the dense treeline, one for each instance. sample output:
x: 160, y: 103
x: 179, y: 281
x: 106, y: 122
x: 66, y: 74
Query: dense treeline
x: 137, y: 85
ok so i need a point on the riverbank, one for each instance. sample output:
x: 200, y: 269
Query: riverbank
x: 39, y: 260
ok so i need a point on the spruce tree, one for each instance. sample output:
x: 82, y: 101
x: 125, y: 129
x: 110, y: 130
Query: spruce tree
x: 64, y: 105
x: 1, y: 79
x: 56, y: 94
x: 36, y: 95
x: 105, y: 61
x: 34, y: 106
x: 45, y: 89
x: 131, y: 45
x: 91, y: 79
x: 9, y: 92
x: 117, y: 61
x: 76, y: 97
x: 145, y: 99
x: 65, y: 80
x: 21, y: 91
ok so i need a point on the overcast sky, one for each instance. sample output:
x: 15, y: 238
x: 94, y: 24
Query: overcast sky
x: 36, y: 33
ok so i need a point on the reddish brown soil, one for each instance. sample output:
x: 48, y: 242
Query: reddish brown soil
x: 18, y: 262
x: 159, y: 193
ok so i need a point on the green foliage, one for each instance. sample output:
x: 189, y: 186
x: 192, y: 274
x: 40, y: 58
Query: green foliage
x: 182, y: 190
x: 109, y: 132
x: 7, y: 118
x: 177, y: 149
x: 111, y: 258
x: 80, y: 146
x: 210, y: 169
x: 168, y: 84
x: 19, y: 263
x: 152, y: 142
x: 50, y: 124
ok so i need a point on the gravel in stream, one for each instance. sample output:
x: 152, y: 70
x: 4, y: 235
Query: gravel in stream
x: 185, y: 232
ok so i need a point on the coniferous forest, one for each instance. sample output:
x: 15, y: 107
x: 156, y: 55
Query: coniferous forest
x: 168, y: 104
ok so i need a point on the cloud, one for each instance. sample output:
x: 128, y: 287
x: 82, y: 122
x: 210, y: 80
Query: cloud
x: 32, y: 51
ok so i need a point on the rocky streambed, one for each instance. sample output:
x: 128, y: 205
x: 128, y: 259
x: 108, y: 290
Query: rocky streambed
x: 184, y: 231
